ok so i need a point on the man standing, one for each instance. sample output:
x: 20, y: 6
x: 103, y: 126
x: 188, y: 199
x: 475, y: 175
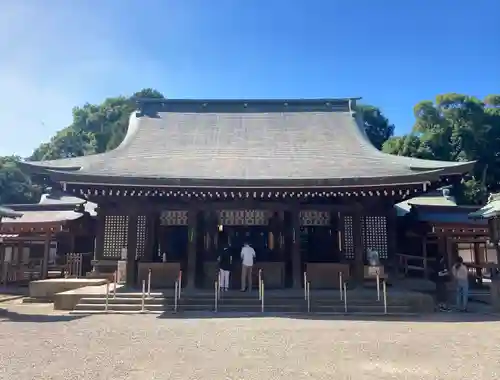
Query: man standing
x: 441, y: 276
x: 247, y: 259
x: 225, y: 260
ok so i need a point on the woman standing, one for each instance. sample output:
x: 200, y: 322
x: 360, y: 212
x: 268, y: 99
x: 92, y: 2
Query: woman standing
x: 461, y: 275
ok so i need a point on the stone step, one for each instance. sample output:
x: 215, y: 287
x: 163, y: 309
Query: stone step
x: 240, y: 308
x: 125, y: 300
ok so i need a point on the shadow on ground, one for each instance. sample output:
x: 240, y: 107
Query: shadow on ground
x: 451, y: 317
x: 12, y: 316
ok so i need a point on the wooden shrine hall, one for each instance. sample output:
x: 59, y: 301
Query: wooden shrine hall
x: 297, y: 179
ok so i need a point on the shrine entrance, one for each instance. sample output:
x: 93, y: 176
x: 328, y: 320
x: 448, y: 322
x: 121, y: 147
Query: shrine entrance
x: 261, y: 229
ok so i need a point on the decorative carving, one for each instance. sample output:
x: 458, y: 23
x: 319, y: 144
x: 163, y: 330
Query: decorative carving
x: 243, y: 217
x: 314, y: 218
x: 174, y: 218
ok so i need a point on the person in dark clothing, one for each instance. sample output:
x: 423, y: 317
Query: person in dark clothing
x: 225, y: 260
x: 441, y: 277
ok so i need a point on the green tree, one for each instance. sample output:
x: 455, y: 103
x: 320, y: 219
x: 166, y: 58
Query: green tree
x: 377, y: 126
x: 15, y: 186
x: 96, y: 128
x: 457, y: 127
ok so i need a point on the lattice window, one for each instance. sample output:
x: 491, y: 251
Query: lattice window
x: 174, y: 218
x: 374, y: 233
x: 115, y: 235
x: 348, y: 237
x: 314, y: 218
x: 243, y: 217
x: 141, y: 235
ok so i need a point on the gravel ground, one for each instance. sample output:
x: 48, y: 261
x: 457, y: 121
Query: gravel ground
x: 36, y: 343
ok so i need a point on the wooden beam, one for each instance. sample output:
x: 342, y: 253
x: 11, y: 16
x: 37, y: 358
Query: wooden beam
x: 297, y: 270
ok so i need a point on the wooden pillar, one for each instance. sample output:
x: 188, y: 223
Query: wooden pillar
x: 297, y: 270
x: 131, y: 249
x: 190, y: 278
x: 424, y: 255
x: 392, y: 237
x: 99, y: 234
x: 149, y: 245
x: 44, y: 270
x: 359, y: 260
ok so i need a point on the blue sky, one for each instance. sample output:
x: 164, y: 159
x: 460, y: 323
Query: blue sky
x: 58, y: 54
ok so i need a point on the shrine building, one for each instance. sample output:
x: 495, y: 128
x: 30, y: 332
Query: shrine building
x: 297, y: 179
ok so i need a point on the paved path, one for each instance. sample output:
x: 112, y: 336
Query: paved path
x: 36, y: 343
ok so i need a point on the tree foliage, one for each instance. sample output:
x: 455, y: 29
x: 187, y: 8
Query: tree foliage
x: 457, y: 127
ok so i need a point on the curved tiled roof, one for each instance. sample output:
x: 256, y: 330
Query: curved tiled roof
x: 247, y: 143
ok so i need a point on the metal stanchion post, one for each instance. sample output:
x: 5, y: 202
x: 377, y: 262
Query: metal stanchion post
x: 305, y: 287
x: 176, y: 286
x: 143, y: 303
x: 262, y: 298
x: 384, y: 287
x: 378, y: 286
x: 216, y: 296
x: 107, y: 297
x: 149, y: 283
x: 308, y: 296
x: 260, y: 284
x: 340, y: 285
x: 115, y: 280
x: 179, y: 288
x: 345, y: 297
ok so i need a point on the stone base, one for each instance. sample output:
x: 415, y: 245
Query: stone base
x: 47, y: 289
x: 122, y: 272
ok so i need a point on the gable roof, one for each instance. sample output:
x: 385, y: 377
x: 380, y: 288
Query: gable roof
x: 8, y: 213
x: 52, y: 208
x: 490, y: 210
x: 252, y: 143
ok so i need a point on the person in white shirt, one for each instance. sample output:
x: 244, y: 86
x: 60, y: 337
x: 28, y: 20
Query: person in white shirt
x: 247, y: 259
x: 461, y: 276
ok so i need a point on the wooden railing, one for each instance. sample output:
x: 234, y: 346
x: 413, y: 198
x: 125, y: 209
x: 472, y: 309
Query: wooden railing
x: 422, y: 265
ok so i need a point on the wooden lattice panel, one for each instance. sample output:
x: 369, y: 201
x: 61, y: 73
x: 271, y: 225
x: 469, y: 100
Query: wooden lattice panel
x: 374, y: 233
x: 314, y: 218
x: 348, y: 237
x: 141, y: 235
x: 174, y: 218
x: 115, y: 235
x: 243, y: 217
